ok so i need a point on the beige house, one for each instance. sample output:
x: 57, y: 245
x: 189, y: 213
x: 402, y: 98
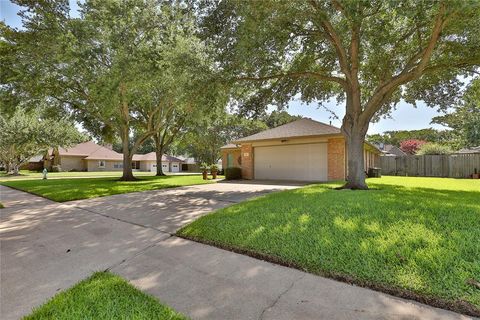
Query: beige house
x: 148, y: 162
x: 89, y: 156
x: 302, y: 150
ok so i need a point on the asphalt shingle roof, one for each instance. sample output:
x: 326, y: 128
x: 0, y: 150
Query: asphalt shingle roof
x: 300, y: 128
x: 103, y: 153
x: 81, y: 149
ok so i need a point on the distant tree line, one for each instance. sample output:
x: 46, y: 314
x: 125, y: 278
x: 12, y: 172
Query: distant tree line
x: 463, y: 123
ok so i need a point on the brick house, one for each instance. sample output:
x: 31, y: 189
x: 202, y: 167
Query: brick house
x: 303, y: 150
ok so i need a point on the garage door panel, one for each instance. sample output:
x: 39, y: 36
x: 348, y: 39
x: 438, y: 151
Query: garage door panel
x: 306, y: 162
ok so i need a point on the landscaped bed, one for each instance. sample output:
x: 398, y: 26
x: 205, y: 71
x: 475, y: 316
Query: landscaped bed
x: 82, y: 188
x: 414, y: 237
x: 103, y: 296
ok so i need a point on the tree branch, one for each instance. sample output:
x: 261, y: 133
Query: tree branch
x: 460, y: 64
x: 331, y: 78
x: 354, y: 58
x: 406, y: 75
x: 334, y: 38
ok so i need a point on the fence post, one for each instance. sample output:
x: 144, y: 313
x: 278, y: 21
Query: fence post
x: 424, y: 166
x: 449, y: 166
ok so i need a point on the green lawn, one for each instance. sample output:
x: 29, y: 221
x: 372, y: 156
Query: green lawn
x: 103, y: 296
x: 29, y: 175
x: 415, y: 237
x: 82, y: 188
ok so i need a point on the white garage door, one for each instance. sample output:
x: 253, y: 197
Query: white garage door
x: 165, y: 167
x: 305, y: 162
x: 175, y: 167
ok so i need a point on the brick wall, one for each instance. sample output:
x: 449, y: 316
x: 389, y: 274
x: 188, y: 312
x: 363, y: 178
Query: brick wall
x: 336, y: 159
x: 247, y: 161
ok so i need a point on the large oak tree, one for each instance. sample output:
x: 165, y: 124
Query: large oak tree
x: 25, y: 134
x: 368, y: 55
x: 118, y: 68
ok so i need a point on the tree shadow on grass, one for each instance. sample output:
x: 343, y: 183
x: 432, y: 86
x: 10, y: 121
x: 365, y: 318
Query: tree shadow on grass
x: 417, y: 243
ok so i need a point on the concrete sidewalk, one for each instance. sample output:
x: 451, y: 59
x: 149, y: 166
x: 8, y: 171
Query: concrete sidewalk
x: 204, y: 282
x: 47, y: 247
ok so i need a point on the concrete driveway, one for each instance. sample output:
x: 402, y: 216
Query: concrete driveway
x: 47, y: 247
x: 169, y: 209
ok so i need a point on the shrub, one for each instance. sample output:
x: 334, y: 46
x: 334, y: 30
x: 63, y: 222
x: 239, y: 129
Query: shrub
x: 233, y: 173
x: 434, y: 148
x: 214, y: 167
x: 411, y: 146
x: 204, y: 167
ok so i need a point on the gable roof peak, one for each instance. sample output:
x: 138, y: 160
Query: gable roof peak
x: 299, y: 128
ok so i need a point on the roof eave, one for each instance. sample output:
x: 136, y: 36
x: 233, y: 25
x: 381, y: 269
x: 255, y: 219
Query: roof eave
x: 229, y: 148
x: 327, y: 135
x: 104, y: 158
x: 73, y: 154
x: 374, y: 147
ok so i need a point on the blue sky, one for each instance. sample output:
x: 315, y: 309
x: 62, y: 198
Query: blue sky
x: 405, y: 117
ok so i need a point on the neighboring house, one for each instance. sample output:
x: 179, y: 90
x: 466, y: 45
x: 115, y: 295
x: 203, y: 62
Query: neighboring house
x: 189, y: 164
x: 192, y: 165
x: 469, y: 150
x: 33, y: 164
x: 89, y: 156
x: 391, y: 150
x: 148, y: 162
x: 304, y: 150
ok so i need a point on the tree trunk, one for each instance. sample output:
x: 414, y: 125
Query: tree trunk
x: 355, y: 131
x: 159, y: 153
x: 16, y: 169
x: 127, y: 161
x: 355, y: 164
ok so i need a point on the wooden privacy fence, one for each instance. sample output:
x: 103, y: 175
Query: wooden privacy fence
x: 448, y: 165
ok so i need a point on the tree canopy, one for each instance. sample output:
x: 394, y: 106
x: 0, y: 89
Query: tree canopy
x: 122, y: 67
x: 465, y: 118
x: 204, y: 140
x: 277, y: 118
x: 395, y: 137
x: 27, y: 134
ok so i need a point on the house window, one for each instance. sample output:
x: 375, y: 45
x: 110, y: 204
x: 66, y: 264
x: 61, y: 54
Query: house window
x: 229, y: 160
x: 118, y: 165
x: 101, y: 164
x: 135, y: 164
